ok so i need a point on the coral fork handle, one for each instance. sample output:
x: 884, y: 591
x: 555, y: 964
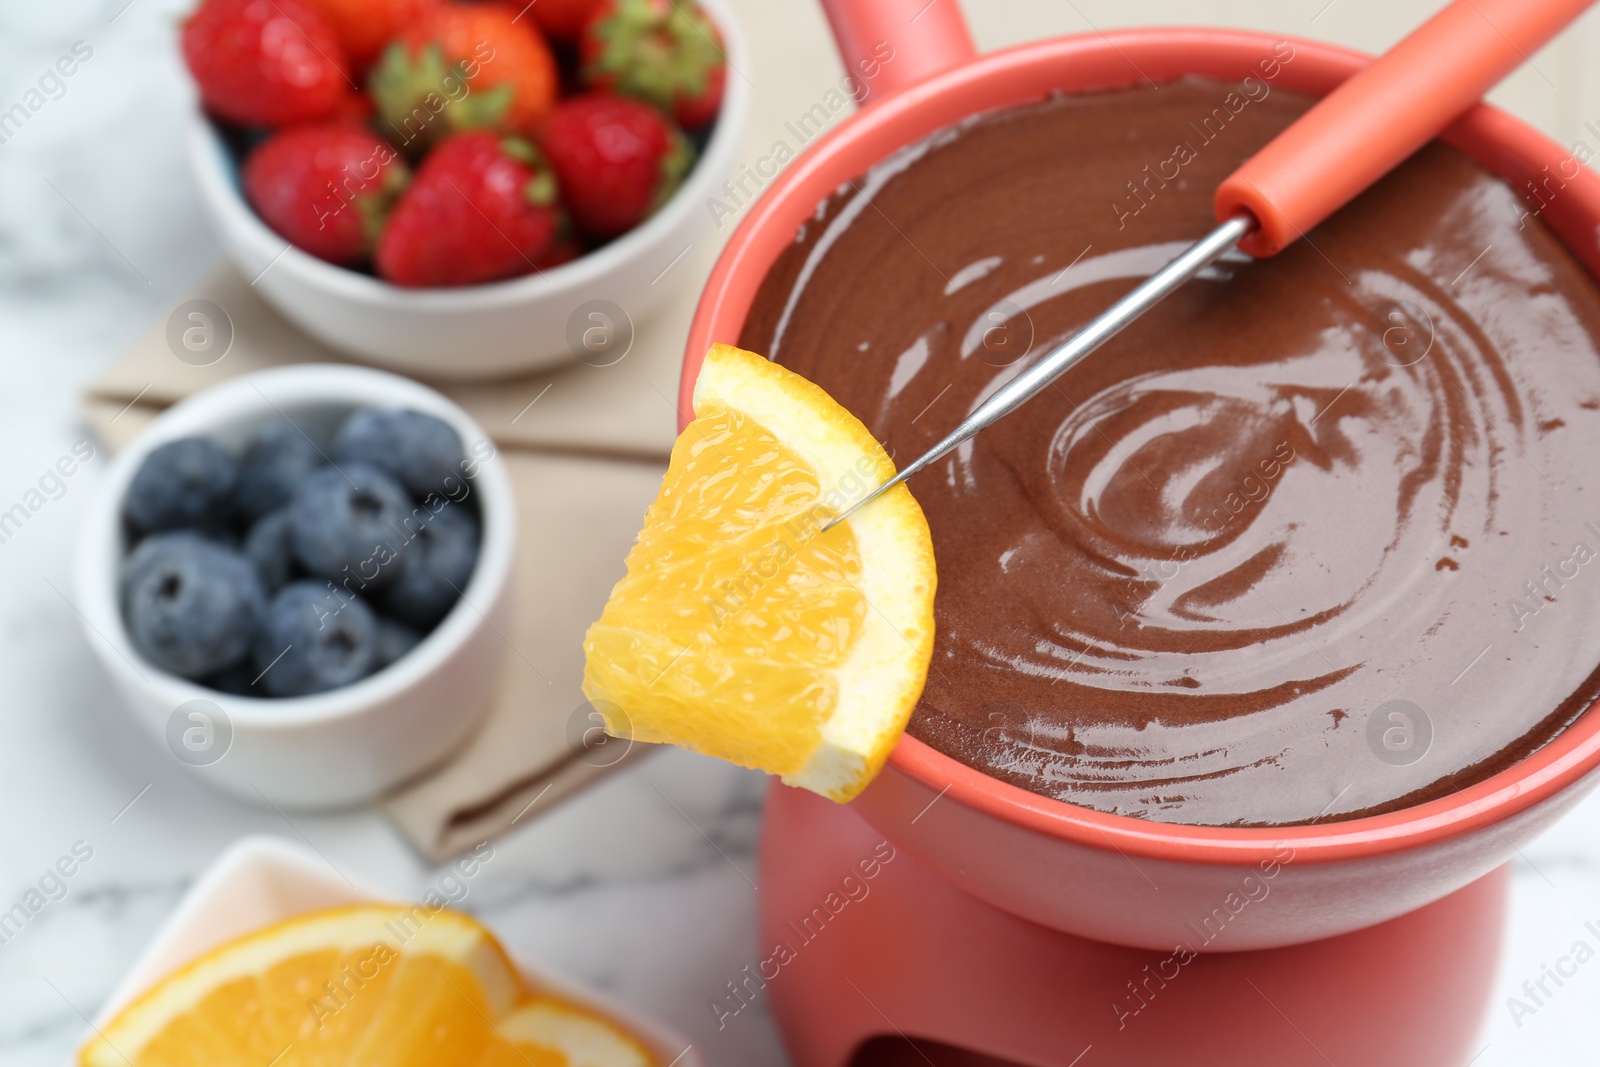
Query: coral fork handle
x: 1364, y: 128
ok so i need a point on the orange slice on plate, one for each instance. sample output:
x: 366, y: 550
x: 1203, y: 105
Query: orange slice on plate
x: 743, y: 630
x: 368, y: 984
x: 546, y: 1026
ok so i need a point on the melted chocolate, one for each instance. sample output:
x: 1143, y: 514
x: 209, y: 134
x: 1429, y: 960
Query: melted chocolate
x: 1316, y: 538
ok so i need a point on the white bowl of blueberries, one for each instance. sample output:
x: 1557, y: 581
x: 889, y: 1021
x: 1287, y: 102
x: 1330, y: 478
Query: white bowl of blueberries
x: 300, y: 581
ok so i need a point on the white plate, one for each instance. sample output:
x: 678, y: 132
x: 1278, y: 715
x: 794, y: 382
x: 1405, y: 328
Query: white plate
x: 262, y: 880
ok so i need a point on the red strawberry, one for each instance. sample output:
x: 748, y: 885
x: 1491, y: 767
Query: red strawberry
x: 264, y: 62
x: 365, y: 27
x: 353, y: 109
x: 561, y: 250
x: 465, y: 67
x: 616, y: 160
x: 663, y: 51
x: 327, y: 189
x: 562, y: 20
x: 482, y: 208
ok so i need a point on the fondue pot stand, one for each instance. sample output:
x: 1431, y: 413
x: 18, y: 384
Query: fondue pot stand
x: 870, y: 963
x: 1000, y: 926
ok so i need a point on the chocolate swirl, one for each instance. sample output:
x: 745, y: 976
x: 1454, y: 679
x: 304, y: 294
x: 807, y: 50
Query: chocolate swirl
x: 1259, y: 560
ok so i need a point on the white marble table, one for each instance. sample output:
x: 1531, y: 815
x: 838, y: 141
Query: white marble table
x: 644, y: 886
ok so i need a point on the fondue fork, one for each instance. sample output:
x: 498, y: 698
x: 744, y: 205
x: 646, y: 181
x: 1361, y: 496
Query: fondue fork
x: 1351, y: 138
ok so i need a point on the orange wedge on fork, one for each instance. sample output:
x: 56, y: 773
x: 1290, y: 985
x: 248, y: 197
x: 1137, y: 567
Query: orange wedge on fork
x: 742, y: 629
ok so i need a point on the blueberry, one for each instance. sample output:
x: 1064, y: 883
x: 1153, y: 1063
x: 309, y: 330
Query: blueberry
x: 187, y: 482
x: 192, y: 606
x: 267, y: 546
x: 438, y: 564
x: 315, y: 637
x: 275, y: 461
x: 349, y: 524
x: 423, y: 452
x: 395, y: 639
x: 237, y: 680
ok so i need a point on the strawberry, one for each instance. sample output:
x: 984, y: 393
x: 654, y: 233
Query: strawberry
x: 482, y: 207
x: 663, y: 51
x: 264, y: 62
x: 326, y: 189
x: 562, y: 20
x: 465, y: 67
x: 561, y: 250
x: 353, y: 109
x: 365, y: 27
x: 615, y: 159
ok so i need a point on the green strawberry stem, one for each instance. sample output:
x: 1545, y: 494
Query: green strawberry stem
x: 654, y: 57
x: 675, y: 167
x: 423, y: 98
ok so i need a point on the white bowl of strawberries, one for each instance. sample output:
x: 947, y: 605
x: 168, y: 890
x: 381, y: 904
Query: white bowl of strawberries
x: 447, y: 187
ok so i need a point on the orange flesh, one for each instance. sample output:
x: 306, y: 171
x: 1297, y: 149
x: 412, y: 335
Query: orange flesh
x: 733, y: 602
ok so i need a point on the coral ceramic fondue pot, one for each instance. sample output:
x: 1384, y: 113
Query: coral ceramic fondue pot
x: 1006, y: 895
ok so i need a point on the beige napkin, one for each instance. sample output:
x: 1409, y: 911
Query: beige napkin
x: 585, y: 447
x: 623, y: 410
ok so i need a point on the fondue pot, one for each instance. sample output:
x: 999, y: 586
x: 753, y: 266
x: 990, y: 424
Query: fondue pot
x: 1022, y: 929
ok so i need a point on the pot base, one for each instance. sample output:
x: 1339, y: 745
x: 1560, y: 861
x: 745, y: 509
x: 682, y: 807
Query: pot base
x: 871, y: 959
